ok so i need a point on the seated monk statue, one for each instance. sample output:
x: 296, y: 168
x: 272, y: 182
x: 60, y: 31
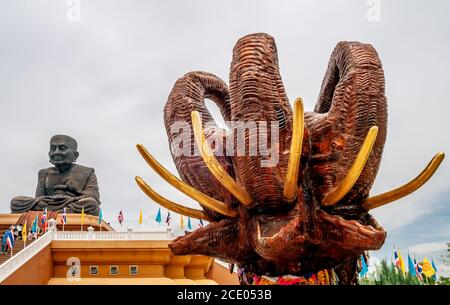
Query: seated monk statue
x: 66, y: 184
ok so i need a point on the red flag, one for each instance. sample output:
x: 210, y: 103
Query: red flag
x: 120, y: 217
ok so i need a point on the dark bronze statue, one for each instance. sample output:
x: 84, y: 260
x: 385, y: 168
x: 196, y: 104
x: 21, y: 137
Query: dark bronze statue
x: 66, y: 184
x: 310, y: 211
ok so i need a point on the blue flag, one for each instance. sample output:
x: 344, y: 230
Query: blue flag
x: 158, y: 216
x: 100, y: 216
x: 364, y: 268
x: 411, y: 266
x: 35, y: 224
x: 189, y: 223
x: 435, y: 269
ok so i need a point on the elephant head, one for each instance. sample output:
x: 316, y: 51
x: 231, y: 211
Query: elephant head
x: 306, y: 211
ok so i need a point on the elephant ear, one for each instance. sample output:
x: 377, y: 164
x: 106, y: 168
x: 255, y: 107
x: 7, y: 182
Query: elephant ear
x: 351, y: 101
x: 188, y: 95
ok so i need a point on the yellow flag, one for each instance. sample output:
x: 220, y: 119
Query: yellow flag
x: 140, y: 217
x: 427, y: 268
x: 24, y: 232
x: 181, y: 222
x: 402, y: 263
x: 82, y: 216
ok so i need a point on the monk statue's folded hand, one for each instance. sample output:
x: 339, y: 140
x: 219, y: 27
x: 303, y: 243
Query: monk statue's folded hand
x: 59, y: 196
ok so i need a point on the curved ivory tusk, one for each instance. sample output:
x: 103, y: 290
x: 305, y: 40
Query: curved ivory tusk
x: 175, y: 207
x: 355, y: 170
x: 405, y: 190
x: 185, y: 188
x: 214, y: 166
x: 290, y: 184
x: 261, y: 240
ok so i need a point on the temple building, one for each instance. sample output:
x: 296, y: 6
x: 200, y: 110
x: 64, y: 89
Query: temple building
x: 101, y: 255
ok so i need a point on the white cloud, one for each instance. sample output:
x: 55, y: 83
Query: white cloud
x: 426, y: 248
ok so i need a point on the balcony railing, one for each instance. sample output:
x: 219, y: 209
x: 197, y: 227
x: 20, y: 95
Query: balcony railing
x: 109, y: 235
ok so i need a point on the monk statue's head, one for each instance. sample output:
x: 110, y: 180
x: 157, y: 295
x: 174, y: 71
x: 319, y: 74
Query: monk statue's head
x: 63, y: 150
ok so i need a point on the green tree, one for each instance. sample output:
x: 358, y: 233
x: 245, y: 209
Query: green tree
x: 387, y: 274
x: 446, y: 260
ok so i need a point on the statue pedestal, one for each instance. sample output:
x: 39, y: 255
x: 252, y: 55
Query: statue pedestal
x: 73, y: 221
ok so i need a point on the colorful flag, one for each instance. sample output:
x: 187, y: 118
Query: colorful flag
x: 100, y: 216
x: 200, y: 223
x: 24, y: 232
x: 44, y: 228
x: 35, y: 224
x: 427, y: 269
x: 82, y: 216
x: 433, y: 265
x: 44, y: 216
x: 402, y: 262
x: 419, y: 267
x: 411, y: 266
x: 396, y: 259
x: 189, y: 223
x: 10, y: 239
x: 181, y: 222
x: 418, y: 270
x: 158, y: 216
x: 140, y: 216
x: 120, y: 217
x: 435, y: 269
x: 168, y: 218
x: 364, y: 268
x: 64, y: 217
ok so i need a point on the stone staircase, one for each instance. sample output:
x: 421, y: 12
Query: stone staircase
x: 18, y: 246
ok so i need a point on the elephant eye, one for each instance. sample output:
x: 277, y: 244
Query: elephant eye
x: 280, y: 117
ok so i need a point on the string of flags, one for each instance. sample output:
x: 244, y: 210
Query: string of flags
x: 159, y: 219
x: 426, y: 268
x: 416, y: 269
x: 35, y: 226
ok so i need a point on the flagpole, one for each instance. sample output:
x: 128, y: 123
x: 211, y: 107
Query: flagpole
x: 82, y: 218
x: 63, y: 218
x: 26, y: 236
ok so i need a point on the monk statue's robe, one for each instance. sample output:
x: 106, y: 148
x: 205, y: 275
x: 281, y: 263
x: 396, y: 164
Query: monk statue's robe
x: 73, y: 189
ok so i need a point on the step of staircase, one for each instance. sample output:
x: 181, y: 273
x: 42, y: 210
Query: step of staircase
x: 18, y: 246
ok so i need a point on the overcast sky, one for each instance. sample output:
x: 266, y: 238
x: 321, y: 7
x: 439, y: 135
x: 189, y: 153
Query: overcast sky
x: 105, y: 79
